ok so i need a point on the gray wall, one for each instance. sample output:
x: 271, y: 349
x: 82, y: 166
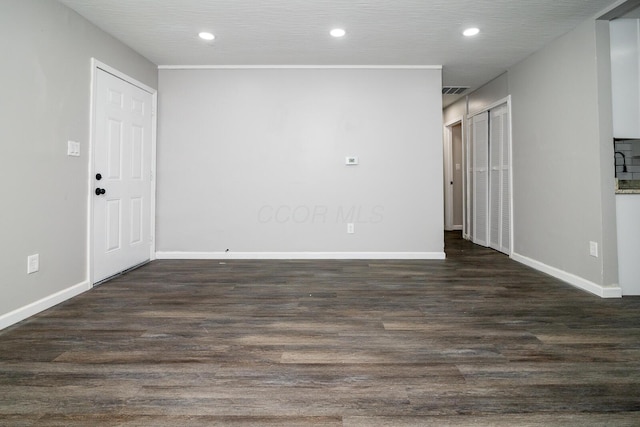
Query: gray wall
x: 455, y: 111
x: 252, y: 160
x: 563, y: 156
x: 45, y: 77
x: 494, y: 91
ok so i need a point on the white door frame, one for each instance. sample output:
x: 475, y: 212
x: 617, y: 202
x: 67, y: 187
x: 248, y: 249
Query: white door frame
x: 448, y: 174
x: 95, y: 66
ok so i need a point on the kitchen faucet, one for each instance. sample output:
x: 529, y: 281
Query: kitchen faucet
x: 624, y: 163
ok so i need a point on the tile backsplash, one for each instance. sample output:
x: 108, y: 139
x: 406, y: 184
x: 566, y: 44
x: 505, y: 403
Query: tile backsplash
x: 630, y: 148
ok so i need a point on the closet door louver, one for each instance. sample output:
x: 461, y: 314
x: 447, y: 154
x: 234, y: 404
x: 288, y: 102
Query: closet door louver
x: 480, y: 172
x: 499, y: 188
x: 495, y: 166
x: 505, y: 244
x: 468, y: 150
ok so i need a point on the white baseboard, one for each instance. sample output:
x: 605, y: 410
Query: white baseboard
x: 572, y: 279
x: 36, y: 307
x: 300, y: 255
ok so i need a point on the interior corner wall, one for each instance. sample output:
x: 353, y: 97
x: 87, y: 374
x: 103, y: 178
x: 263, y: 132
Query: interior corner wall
x: 557, y: 169
x: 45, y: 74
x: 609, y: 247
x: 455, y: 111
x: 253, y: 161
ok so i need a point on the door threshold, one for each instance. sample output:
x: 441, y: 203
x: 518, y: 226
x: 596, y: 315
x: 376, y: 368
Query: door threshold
x: 121, y: 273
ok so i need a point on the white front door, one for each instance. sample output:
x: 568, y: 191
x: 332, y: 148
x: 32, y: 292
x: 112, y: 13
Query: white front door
x: 121, y: 178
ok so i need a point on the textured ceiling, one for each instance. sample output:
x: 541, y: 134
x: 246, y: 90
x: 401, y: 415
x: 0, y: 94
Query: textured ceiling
x: 634, y: 14
x: 379, y: 32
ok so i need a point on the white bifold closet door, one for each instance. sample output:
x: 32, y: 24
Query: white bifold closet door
x: 480, y: 178
x: 499, y: 188
x: 488, y: 179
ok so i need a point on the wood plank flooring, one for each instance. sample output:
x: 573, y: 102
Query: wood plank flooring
x: 476, y: 340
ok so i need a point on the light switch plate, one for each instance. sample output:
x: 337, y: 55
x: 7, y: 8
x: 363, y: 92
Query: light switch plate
x: 593, y: 249
x: 73, y: 148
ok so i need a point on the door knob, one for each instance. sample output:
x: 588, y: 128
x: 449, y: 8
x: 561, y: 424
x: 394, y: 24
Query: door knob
x: 100, y: 191
x: 98, y: 176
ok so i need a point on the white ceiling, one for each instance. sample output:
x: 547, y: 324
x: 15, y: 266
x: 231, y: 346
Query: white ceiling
x: 379, y: 32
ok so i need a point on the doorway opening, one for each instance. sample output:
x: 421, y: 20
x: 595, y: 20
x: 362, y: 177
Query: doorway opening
x: 454, y: 176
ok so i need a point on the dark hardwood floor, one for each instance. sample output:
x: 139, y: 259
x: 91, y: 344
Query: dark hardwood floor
x: 476, y: 340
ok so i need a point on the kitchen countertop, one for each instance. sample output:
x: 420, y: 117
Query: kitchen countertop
x: 627, y: 186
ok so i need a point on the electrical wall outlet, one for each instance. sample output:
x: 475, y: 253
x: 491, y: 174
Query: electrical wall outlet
x: 33, y: 263
x: 73, y: 148
x: 593, y: 249
x: 351, y: 228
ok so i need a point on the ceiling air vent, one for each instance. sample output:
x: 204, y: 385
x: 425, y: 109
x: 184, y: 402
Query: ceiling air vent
x: 454, y: 90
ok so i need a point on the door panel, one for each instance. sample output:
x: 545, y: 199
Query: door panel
x: 505, y: 243
x: 113, y: 223
x: 137, y: 153
x: 122, y: 157
x: 481, y: 179
x: 114, y: 149
x: 495, y: 208
x: 500, y: 191
x: 468, y: 177
x: 136, y: 220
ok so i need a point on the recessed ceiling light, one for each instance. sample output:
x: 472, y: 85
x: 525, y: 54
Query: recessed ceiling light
x: 206, y: 36
x: 338, y: 32
x: 470, y: 32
